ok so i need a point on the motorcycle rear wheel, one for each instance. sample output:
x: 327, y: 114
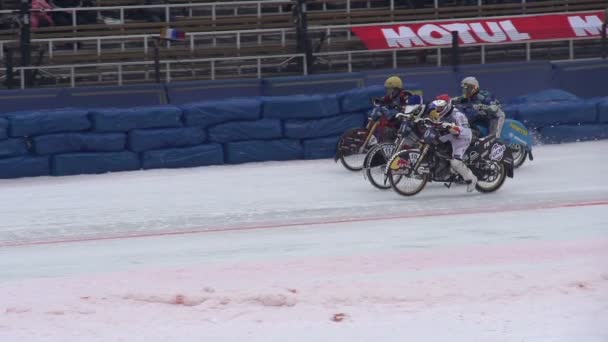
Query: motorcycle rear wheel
x: 495, y: 174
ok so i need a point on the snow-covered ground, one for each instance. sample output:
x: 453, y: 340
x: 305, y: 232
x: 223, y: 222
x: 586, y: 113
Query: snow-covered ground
x: 306, y: 251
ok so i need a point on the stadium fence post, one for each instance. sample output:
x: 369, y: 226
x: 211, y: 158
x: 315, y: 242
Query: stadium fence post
x: 455, y: 51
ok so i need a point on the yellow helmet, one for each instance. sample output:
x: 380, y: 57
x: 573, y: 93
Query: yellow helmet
x: 393, y: 82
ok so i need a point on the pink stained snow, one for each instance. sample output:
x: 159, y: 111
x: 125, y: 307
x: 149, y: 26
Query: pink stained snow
x: 524, y: 275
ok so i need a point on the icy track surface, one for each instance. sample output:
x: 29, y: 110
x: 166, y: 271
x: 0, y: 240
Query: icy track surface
x: 307, y: 251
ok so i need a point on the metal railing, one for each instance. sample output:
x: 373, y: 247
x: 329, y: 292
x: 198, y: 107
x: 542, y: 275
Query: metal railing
x: 348, y: 59
x: 281, y: 34
x: 146, y: 38
x: 119, y: 67
x: 213, y: 7
x: 348, y: 56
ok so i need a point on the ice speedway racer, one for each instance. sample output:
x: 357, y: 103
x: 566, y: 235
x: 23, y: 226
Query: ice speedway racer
x: 356, y: 143
x: 408, y: 171
x: 514, y: 134
x: 408, y: 135
x: 410, y: 132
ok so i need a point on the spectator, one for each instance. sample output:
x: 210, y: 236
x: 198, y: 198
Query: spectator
x: 39, y: 17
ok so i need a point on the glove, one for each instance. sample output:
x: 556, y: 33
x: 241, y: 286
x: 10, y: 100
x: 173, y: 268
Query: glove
x: 376, y: 101
x: 451, y: 128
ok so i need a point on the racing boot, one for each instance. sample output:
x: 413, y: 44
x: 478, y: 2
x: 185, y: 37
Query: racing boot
x: 466, y: 173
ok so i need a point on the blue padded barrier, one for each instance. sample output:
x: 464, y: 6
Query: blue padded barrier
x: 359, y: 99
x: 205, y: 114
x: 155, y: 139
x: 30, y: 99
x: 301, y: 106
x: 83, y: 163
x: 545, y: 114
x: 25, y: 166
x: 320, y: 148
x: 79, y: 142
x: 571, y: 133
x: 583, y: 78
x: 119, y: 97
x: 123, y: 120
x: 303, y: 129
x: 509, y: 80
x: 3, y: 128
x: 312, y: 84
x: 188, y: 92
x: 201, y: 155
x: 246, y: 130
x: 256, y: 150
x: 13, y: 148
x: 602, y: 111
x: 547, y: 95
x: 23, y: 124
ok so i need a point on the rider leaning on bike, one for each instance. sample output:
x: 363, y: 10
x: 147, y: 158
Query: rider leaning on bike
x: 395, y: 98
x: 483, y: 104
x: 459, y: 135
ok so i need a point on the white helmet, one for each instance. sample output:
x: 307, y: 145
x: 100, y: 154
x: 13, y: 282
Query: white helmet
x: 470, y: 86
x: 440, y: 108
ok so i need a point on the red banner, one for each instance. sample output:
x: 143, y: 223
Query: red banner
x: 483, y: 30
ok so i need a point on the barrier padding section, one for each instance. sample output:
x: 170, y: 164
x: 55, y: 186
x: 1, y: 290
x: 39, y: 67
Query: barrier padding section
x: 188, y: 92
x: 25, y: 166
x: 208, y: 154
x: 3, y: 128
x: 119, y: 97
x: 320, y: 148
x: 30, y: 99
x: 549, y: 95
x: 583, y: 78
x: 84, y: 163
x: 572, y: 133
x: 602, y: 111
x: 257, y: 150
x: 312, y: 84
x: 23, y: 124
x: 246, y: 130
x: 12, y: 148
x: 301, y: 106
x: 359, y: 99
x: 154, y: 139
x: 509, y: 80
x: 303, y: 129
x: 79, y: 142
x: 205, y: 114
x: 123, y: 120
x: 545, y: 114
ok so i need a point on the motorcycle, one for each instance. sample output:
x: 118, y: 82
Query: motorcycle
x: 355, y: 143
x: 408, y: 135
x: 514, y: 134
x: 410, y: 170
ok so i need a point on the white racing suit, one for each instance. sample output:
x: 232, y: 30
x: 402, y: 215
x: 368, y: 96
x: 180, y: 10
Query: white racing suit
x: 460, y: 137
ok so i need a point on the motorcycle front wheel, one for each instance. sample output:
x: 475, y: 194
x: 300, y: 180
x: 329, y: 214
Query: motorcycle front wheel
x: 375, y: 165
x: 401, y: 175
